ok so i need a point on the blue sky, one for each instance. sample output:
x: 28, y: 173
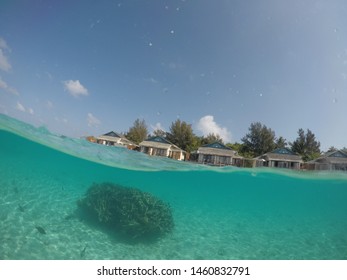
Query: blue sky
x: 88, y: 67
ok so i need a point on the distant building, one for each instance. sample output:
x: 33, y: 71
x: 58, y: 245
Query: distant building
x: 281, y: 158
x: 114, y: 139
x: 91, y: 139
x: 159, y: 146
x: 216, y: 154
x: 336, y: 160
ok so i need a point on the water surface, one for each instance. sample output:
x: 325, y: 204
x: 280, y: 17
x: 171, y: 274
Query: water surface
x: 219, y: 213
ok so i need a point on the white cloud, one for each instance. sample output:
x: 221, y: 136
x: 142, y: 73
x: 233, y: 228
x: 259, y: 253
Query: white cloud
x: 75, y: 88
x: 92, y: 120
x: 49, y: 104
x: 151, y: 80
x: 7, y: 88
x: 49, y: 75
x: 157, y: 126
x: 20, y: 107
x: 4, y: 64
x: 207, y: 125
x: 61, y: 120
x: 3, y: 45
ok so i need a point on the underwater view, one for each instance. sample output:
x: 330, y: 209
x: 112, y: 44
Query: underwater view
x: 51, y: 205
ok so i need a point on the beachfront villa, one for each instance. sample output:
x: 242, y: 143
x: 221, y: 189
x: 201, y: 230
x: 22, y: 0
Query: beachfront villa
x: 281, y: 158
x: 159, y: 146
x: 336, y: 160
x: 114, y: 139
x: 216, y: 154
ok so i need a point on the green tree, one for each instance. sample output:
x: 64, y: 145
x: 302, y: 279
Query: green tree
x: 235, y: 146
x: 239, y: 148
x: 138, y: 132
x: 211, y: 138
x: 331, y: 149
x: 159, y: 132
x: 258, y: 140
x: 281, y: 143
x: 306, y: 145
x: 181, y: 134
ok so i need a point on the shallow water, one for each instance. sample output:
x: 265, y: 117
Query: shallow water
x: 219, y: 213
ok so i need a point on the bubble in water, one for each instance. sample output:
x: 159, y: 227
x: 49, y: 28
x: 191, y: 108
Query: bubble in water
x: 334, y: 100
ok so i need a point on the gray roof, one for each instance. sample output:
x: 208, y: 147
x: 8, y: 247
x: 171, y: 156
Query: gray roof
x: 281, y: 154
x: 218, y: 152
x: 113, y: 134
x: 159, y: 142
x: 217, y: 149
x: 108, y: 138
x: 335, y: 157
x: 115, y: 137
x: 159, y: 139
x: 217, y: 145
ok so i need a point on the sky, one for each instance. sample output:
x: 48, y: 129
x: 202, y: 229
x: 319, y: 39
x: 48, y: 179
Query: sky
x: 88, y: 67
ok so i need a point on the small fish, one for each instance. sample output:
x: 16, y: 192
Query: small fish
x: 69, y: 216
x: 40, y: 230
x: 83, y: 252
x: 21, y: 208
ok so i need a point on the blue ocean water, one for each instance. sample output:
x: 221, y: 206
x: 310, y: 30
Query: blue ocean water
x: 219, y: 213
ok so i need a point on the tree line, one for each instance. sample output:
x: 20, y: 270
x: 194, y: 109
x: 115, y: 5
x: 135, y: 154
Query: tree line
x: 259, y: 140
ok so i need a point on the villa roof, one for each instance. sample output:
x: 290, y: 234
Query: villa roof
x: 115, y: 137
x: 281, y: 154
x: 335, y: 157
x: 158, y: 139
x: 113, y: 134
x: 159, y: 143
x: 218, y: 149
x: 216, y: 145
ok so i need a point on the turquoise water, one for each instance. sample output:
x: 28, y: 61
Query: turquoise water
x: 219, y: 213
